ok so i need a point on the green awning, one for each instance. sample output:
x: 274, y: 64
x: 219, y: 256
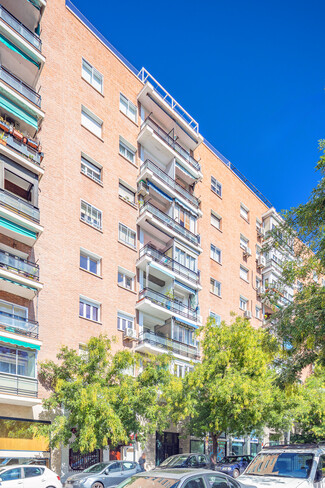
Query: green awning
x: 18, y: 284
x: 17, y: 228
x: 12, y: 46
x: 11, y: 107
x: 16, y: 342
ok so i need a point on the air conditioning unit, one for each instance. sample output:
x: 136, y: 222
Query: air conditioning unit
x: 261, y: 262
x: 247, y: 251
x: 248, y: 314
x: 143, y: 188
x: 130, y: 334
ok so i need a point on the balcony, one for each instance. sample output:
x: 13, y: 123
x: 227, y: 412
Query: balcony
x: 171, y: 143
x: 19, y: 276
x: 19, y: 206
x: 169, y: 263
x: 20, y: 86
x: 166, y: 179
x: 163, y: 220
x: 18, y: 265
x: 165, y: 306
x: 18, y: 385
x: 17, y: 26
x: 151, y: 342
x: 29, y: 14
x: 18, y: 325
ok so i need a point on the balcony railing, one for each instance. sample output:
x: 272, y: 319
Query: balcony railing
x: 168, y: 303
x: 20, y: 28
x: 18, y: 325
x: 170, y: 345
x: 171, y: 223
x: 19, y: 265
x: 170, y: 182
x: 171, y: 142
x: 24, y: 149
x: 170, y: 263
x: 18, y: 385
x: 19, y: 206
x: 20, y: 86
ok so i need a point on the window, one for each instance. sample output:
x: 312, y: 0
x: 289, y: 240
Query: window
x: 11, y: 475
x: 93, y: 76
x: 125, y: 278
x: 244, y: 212
x: 258, y: 283
x: 125, y: 192
x: 185, y: 259
x: 243, y: 241
x: 181, y: 369
x: 83, y: 351
x: 215, y: 287
x: 215, y: 253
x: 196, y: 482
x: 185, y: 219
x: 128, y: 108
x: 13, y: 315
x: 127, y: 236
x: 19, y: 362
x: 323, y: 282
x: 258, y: 312
x: 127, y: 150
x: 216, y: 318
x: 183, y: 334
x: 258, y: 251
x: 90, y: 262
x: 90, y: 169
x: 215, y: 220
x: 243, y: 303
x: 91, y: 122
x: 243, y: 273
x: 124, y: 321
x: 33, y: 471
x: 89, y: 309
x: 216, y: 186
x: 91, y: 215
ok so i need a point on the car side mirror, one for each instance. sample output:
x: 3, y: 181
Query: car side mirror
x: 318, y: 476
x: 106, y: 471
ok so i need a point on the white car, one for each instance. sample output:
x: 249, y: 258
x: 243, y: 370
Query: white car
x: 28, y: 476
x: 290, y: 466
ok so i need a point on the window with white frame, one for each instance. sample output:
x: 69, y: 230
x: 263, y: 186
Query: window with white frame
x: 128, y: 108
x: 216, y: 318
x: 19, y: 362
x: 180, y: 370
x: 91, y: 215
x: 12, y: 314
x: 216, y: 186
x: 215, y: 287
x: 244, y: 212
x: 90, y: 74
x: 127, y: 235
x: 89, y: 168
x: 243, y: 303
x: 215, y: 220
x: 91, y: 122
x: 258, y: 251
x: 185, y: 218
x: 90, y: 262
x: 183, y: 334
x: 243, y: 273
x: 258, y: 312
x: 184, y: 258
x: 127, y: 150
x: 125, y: 278
x: 258, y: 283
x: 215, y: 253
x: 243, y: 241
x: 125, y: 192
x: 124, y: 321
x: 259, y: 225
x: 89, y: 309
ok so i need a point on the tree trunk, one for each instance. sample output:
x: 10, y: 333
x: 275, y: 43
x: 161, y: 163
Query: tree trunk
x: 215, y: 438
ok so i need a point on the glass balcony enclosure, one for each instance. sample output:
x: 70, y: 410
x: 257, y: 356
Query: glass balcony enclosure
x: 19, y: 265
x: 15, y: 24
x: 18, y: 205
x: 172, y: 304
x: 20, y: 86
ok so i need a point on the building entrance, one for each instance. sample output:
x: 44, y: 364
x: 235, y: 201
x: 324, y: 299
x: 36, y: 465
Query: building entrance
x: 167, y: 444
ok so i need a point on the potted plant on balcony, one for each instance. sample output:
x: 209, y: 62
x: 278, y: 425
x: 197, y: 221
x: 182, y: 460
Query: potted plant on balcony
x: 3, y: 125
x: 169, y: 294
x: 33, y: 144
x: 3, y: 139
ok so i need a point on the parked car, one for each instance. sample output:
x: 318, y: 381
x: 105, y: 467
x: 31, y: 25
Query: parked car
x: 287, y: 466
x: 103, y: 475
x: 27, y: 476
x: 190, y: 460
x: 233, y: 465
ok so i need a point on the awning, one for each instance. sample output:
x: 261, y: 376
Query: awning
x: 11, y: 107
x: 182, y: 321
x: 186, y: 207
x: 16, y: 342
x: 153, y: 265
x: 19, y: 284
x: 158, y: 190
x: 17, y: 228
x: 183, y: 169
x: 186, y: 287
x: 17, y: 50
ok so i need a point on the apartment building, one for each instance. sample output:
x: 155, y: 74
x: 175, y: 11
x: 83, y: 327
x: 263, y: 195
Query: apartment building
x: 132, y: 225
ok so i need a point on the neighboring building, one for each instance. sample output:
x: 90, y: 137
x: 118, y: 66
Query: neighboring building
x: 146, y: 229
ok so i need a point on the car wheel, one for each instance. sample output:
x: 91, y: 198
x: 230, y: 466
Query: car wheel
x: 97, y: 484
x: 236, y: 473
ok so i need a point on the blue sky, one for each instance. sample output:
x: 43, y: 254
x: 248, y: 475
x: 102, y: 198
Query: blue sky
x: 251, y: 73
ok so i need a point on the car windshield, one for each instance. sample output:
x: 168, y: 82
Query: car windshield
x: 230, y: 459
x: 174, y: 461
x: 286, y: 464
x: 148, y: 482
x: 96, y: 468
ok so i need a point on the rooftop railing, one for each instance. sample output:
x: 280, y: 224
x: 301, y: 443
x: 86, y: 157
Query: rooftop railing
x: 16, y: 204
x: 168, y: 303
x: 30, y: 36
x: 170, y: 182
x: 161, y: 258
x: 19, y: 265
x: 18, y: 385
x: 20, y: 86
x: 170, y: 345
x: 170, y: 222
x: 18, y: 325
x: 171, y: 142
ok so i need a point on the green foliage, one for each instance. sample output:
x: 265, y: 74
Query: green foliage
x: 95, y: 401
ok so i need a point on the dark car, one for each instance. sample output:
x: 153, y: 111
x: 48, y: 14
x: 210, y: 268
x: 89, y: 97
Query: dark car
x: 233, y: 465
x: 189, y: 460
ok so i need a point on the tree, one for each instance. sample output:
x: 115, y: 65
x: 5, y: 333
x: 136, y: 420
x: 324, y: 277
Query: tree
x: 95, y: 400
x: 234, y: 389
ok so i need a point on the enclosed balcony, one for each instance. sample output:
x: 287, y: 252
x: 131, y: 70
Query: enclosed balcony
x: 19, y: 206
x: 152, y: 343
x: 150, y: 170
x: 28, y: 12
x: 152, y: 219
x: 19, y: 86
x: 20, y: 28
x: 18, y: 386
x: 18, y: 325
x: 19, y: 276
x: 163, y: 307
